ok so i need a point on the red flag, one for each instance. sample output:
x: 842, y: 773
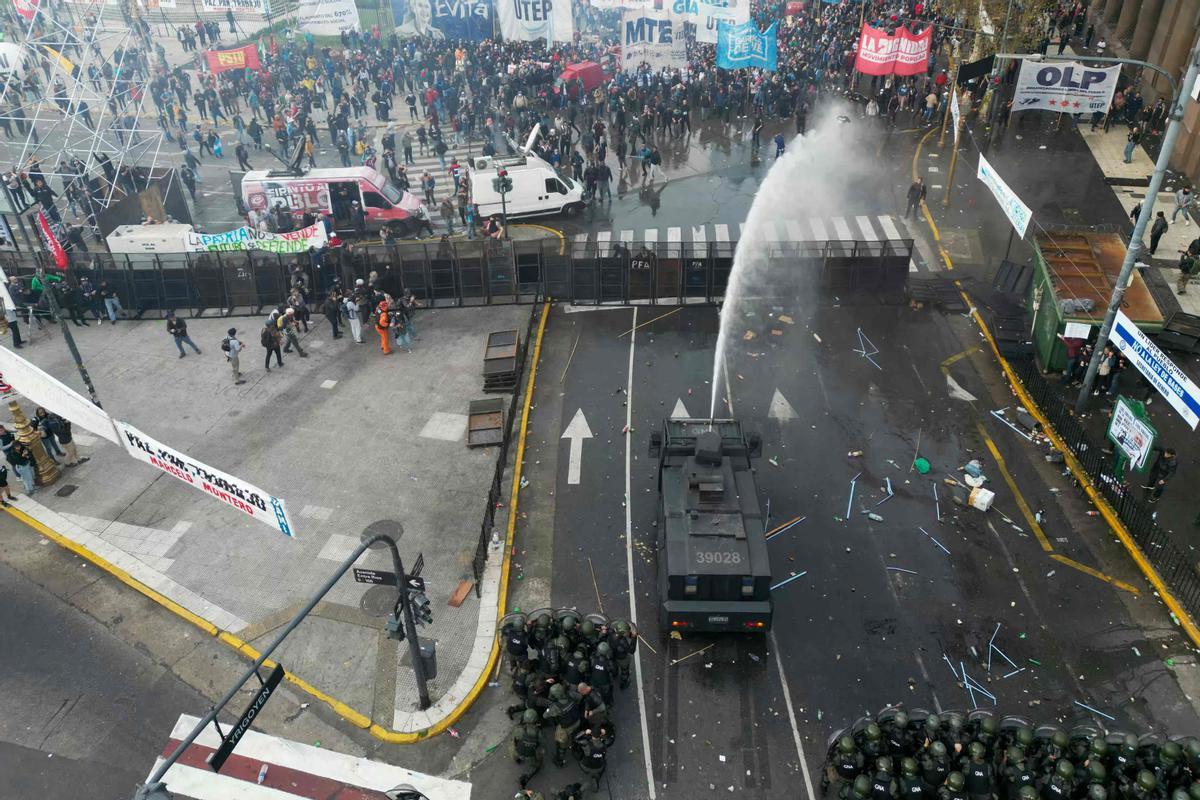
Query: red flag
x: 52, y: 243
x: 241, y: 58
x: 26, y: 8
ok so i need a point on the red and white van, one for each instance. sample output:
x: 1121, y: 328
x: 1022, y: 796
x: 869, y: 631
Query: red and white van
x: 331, y: 191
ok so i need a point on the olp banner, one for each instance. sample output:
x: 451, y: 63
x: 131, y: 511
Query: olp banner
x: 327, y: 17
x: 651, y: 38
x: 232, y: 491
x: 1065, y: 86
x: 249, y: 239
x: 530, y: 20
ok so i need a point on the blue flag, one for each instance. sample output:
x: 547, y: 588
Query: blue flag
x: 463, y: 19
x: 741, y: 46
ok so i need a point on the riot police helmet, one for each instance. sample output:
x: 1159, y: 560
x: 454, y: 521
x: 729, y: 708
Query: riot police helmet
x: 976, y: 750
x: 956, y: 781
x: 938, y: 749
x: 1146, y: 781
x: 1064, y: 769
x: 884, y: 764
x: 872, y: 732
x: 557, y: 691
x: 845, y: 745
x: 530, y: 717
x: 908, y: 767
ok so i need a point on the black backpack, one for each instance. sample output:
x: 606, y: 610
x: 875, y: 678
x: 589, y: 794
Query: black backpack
x: 225, y: 344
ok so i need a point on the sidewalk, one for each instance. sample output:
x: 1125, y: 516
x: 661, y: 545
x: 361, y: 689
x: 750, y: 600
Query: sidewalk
x: 345, y: 438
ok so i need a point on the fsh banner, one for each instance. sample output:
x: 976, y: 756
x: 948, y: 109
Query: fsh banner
x: 742, y: 46
x: 530, y: 20
x: 241, y: 58
x: 327, y: 17
x: 651, y: 38
x: 463, y: 19
x: 905, y: 53
x: 1065, y: 86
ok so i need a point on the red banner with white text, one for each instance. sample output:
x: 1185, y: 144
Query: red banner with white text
x: 241, y: 58
x: 52, y: 244
x: 26, y: 8
x: 904, y: 53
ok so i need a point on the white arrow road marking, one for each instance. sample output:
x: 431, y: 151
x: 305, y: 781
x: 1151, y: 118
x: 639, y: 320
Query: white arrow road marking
x: 958, y: 392
x: 577, y: 431
x: 780, y: 408
x: 680, y: 411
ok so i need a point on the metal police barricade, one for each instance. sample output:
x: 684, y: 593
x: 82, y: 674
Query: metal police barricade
x: 528, y: 256
x: 722, y: 264
x: 500, y: 258
x: 270, y: 281
x: 696, y: 270
x: 139, y: 284
x: 640, y: 276
x: 556, y: 269
x: 668, y: 275
x: 179, y: 288
x: 585, y: 273
x: 438, y: 269
x: 238, y: 285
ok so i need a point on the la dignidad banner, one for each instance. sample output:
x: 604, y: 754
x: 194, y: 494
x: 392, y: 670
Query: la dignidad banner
x: 245, y: 238
x: 222, y: 486
x: 904, y: 54
x: 242, y: 58
x: 743, y: 46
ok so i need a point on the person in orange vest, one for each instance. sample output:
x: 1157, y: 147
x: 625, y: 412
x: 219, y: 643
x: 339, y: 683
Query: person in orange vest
x: 383, y: 324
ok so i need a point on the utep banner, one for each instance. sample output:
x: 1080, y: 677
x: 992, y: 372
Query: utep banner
x: 742, y: 46
x: 1170, y: 381
x: 327, y: 17
x: 241, y: 58
x: 653, y: 38
x: 903, y: 54
x: 463, y: 19
x: 1065, y: 86
x: 530, y: 20
x: 230, y: 490
x: 249, y: 239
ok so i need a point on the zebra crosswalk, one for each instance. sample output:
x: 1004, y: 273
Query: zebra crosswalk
x: 840, y: 232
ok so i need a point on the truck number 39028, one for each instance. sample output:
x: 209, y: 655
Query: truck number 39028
x: 718, y: 558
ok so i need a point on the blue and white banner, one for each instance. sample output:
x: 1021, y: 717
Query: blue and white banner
x: 530, y: 20
x: 653, y: 39
x: 1013, y: 207
x: 463, y: 19
x: 707, y: 14
x: 743, y: 46
x: 1161, y: 371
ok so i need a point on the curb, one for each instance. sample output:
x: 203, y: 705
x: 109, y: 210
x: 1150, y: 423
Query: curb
x: 351, y: 715
x: 1106, y: 511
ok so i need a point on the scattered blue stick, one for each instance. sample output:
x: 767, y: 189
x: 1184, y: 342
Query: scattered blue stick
x: 946, y: 658
x: 1014, y: 672
x: 850, y: 502
x: 902, y: 569
x: 935, y: 541
x: 937, y: 507
x: 1095, y: 711
x: 1004, y: 656
x: 786, y: 581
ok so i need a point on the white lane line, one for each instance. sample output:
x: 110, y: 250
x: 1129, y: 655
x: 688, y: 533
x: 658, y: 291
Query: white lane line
x: 626, y: 236
x: 796, y: 231
x: 721, y: 232
x: 868, y: 230
x: 650, y: 236
x: 637, y: 654
x: 674, y: 235
x: 819, y: 229
x: 787, y: 699
x: 603, y: 241
x: 889, y: 228
x: 843, y: 230
x: 699, y: 234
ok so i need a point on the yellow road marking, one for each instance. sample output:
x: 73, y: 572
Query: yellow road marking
x: 1095, y: 573
x: 562, y: 240
x: 954, y: 359
x: 354, y: 717
x: 1012, y: 484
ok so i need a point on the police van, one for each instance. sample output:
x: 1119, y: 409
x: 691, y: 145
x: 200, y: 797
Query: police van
x: 537, y: 189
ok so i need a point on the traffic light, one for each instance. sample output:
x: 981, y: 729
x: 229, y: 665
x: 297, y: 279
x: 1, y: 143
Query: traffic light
x: 395, y: 627
x: 422, y: 613
x: 502, y: 183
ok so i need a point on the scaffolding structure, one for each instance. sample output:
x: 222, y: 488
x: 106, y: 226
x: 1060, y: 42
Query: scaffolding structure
x: 75, y: 104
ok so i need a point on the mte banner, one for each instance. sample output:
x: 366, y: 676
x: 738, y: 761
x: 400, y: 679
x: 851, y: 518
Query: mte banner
x: 905, y: 53
x: 463, y: 19
x: 242, y: 58
x: 530, y: 20
x: 230, y: 490
x: 742, y: 46
x: 1170, y: 381
x: 327, y: 17
x: 653, y: 39
x: 1065, y: 86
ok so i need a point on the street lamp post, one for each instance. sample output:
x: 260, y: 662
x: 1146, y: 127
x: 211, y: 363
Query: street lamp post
x: 1178, y: 96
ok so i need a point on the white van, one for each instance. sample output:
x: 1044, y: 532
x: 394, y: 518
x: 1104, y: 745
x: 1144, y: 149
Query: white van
x: 536, y: 187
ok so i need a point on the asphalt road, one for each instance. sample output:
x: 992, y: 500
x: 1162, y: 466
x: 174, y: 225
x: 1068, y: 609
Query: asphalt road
x: 84, y: 712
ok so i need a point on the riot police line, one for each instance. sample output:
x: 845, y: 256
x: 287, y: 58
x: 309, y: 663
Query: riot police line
x: 564, y: 667
x: 920, y: 755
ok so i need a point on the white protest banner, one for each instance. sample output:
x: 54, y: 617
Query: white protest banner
x: 1017, y: 212
x: 1065, y: 86
x: 245, y: 238
x: 327, y: 17
x: 651, y: 38
x: 232, y: 491
x: 46, y: 390
x: 1134, y: 436
x: 1161, y: 371
x: 236, y: 6
x: 530, y: 20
